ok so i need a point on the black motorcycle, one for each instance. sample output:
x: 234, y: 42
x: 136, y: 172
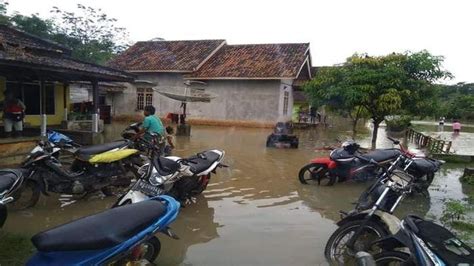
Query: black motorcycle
x: 10, y: 181
x: 372, y: 218
x: 181, y: 178
x: 427, y: 243
x: 94, y: 168
x: 141, y: 144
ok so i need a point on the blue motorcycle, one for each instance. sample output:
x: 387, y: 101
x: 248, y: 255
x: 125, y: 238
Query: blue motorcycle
x: 116, y: 236
x: 428, y: 243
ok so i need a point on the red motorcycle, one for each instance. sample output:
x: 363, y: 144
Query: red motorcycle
x: 343, y: 165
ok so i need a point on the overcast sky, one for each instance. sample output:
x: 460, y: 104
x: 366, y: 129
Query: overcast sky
x: 335, y: 28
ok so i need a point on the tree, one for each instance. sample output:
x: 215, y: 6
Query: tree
x: 4, y: 19
x: 44, y: 28
x: 327, y: 89
x: 91, y: 34
x: 456, y: 101
x: 398, y: 83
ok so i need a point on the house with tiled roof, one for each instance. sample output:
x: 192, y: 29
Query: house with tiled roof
x: 253, y: 82
x: 38, y: 72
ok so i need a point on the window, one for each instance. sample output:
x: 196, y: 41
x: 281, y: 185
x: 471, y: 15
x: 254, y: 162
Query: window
x: 29, y: 93
x: 144, y: 97
x: 286, y: 96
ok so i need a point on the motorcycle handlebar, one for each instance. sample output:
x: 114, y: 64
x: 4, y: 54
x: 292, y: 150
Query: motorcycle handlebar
x: 395, y: 141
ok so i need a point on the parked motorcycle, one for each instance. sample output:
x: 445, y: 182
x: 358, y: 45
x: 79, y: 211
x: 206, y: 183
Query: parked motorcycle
x: 410, y: 165
x: 116, y: 236
x: 343, y: 165
x: 181, y: 178
x: 141, y: 143
x: 10, y: 181
x: 360, y: 227
x: 94, y: 168
x: 428, y: 243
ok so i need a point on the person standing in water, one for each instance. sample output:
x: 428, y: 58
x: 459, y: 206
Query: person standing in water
x: 456, y: 126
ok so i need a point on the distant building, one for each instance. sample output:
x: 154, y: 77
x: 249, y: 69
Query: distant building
x: 254, y: 82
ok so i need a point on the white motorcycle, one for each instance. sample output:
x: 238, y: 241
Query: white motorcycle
x: 182, y: 178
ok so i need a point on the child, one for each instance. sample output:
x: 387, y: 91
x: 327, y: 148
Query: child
x: 456, y: 126
x: 169, y: 140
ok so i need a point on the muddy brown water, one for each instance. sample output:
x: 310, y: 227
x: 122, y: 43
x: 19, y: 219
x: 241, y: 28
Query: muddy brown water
x: 255, y: 212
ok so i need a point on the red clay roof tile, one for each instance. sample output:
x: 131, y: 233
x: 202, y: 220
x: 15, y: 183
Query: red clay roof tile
x: 254, y: 61
x: 156, y: 56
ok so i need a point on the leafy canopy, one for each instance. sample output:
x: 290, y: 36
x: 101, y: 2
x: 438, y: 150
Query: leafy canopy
x: 398, y: 83
x: 90, y: 33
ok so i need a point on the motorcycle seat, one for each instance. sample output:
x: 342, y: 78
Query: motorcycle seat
x: 440, y: 241
x: 381, y: 156
x: 198, y: 164
x: 165, y: 166
x: 103, y: 230
x: 8, y: 177
x: 84, y: 153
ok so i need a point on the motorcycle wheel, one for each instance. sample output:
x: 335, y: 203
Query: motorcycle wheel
x: 203, y: 182
x: 152, y: 248
x: 316, y: 173
x: 147, y: 250
x: 336, y: 251
x: 426, y: 183
x: 391, y: 258
x: 26, y: 196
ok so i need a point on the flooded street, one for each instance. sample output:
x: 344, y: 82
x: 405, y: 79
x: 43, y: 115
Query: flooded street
x: 255, y: 212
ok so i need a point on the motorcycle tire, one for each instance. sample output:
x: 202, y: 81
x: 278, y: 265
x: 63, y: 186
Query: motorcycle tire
x: 153, y: 248
x: 202, y: 185
x: 388, y: 257
x: 26, y: 196
x: 425, y: 184
x: 375, y: 229
x: 317, y: 173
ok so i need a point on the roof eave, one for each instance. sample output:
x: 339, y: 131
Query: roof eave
x: 239, y: 78
x: 91, y: 75
x: 159, y: 71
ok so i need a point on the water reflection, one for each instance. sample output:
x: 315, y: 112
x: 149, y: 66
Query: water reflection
x: 195, y: 225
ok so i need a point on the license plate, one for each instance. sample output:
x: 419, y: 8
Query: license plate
x: 147, y: 188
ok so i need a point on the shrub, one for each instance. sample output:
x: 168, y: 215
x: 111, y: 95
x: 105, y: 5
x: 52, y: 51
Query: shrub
x: 398, y: 123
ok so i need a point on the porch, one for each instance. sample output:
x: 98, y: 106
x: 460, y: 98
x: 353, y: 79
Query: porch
x: 38, y: 72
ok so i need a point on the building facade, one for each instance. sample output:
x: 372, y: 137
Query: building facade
x: 252, y: 82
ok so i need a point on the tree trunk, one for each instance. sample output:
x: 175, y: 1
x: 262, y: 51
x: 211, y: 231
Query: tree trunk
x: 354, y: 128
x: 374, y: 133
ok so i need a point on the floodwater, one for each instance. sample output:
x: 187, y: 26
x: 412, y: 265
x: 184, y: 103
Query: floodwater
x: 462, y: 143
x: 255, y: 212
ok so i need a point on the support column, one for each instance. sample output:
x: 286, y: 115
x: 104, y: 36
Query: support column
x: 65, y: 96
x: 95, y: 101
x: 43, y: 117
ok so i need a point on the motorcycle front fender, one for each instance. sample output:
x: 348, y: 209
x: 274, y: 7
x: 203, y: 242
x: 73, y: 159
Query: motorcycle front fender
x: 132, y: 197
x: 392, y: 242
x: 391, y: 222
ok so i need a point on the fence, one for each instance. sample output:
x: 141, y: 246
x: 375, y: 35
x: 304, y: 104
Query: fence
x: 431, y: 144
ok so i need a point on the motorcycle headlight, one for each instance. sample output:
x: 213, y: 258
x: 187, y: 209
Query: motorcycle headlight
x: 401, y: 178
x: 156, y: 179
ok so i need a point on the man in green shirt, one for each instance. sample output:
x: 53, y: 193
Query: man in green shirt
x: 151, y: 123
